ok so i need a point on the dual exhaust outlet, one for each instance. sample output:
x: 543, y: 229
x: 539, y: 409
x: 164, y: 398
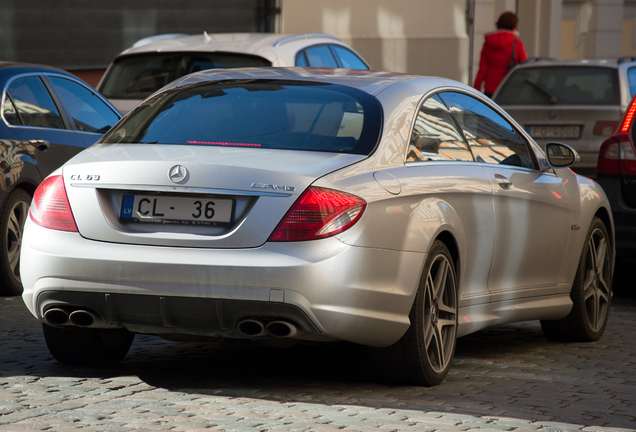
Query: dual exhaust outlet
x: 277, y: 329
x: 248, y: 327
x: 79, y: 318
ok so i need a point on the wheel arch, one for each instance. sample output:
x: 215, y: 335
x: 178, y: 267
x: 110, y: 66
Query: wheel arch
x: 604, y: 215
x: 26, y: 186
x: 449, y: 240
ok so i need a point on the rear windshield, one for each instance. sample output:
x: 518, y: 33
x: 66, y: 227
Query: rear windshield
x: 137, y: 77
x: 560, y: 85
x: 275, y: 114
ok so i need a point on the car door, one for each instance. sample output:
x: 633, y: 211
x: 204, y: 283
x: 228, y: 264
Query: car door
x: 532, y: 207
x: 90, y: 116
x: 39, y: 122
x: 441, y: 171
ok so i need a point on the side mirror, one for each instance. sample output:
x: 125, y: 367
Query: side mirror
x: 560, y: 155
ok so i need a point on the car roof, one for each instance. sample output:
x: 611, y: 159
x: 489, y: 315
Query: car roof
x: 369, y: 81
x: 547, y: 62
x: 9, y: 69
x: 251, y: 43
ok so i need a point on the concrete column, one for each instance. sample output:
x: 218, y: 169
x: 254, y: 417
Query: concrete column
x: 604, y: 30
x: 540, y: 27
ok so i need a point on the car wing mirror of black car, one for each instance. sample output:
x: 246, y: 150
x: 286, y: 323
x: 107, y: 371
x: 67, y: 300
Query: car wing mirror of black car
x: 560, y: 155
x: 40, y: 144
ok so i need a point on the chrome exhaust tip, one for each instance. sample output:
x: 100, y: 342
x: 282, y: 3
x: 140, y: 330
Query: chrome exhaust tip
x: 82, y: 318
x: 252, y: 328
x: 282, y: 329
x: 56, y: 316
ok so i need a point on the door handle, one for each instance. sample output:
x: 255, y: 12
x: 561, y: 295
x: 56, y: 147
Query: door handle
x: 503, y: 181
x: 40, y: 144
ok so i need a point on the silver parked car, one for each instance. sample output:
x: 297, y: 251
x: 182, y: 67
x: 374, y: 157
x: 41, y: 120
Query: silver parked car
x: 154, y: 62
x: 387, y: 210
x: 577, y: 102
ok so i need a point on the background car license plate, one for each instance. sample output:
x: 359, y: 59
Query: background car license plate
x: 171, y: 209
x: 565, y: 131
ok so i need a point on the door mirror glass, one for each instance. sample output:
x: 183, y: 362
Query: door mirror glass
x: 561, y: 155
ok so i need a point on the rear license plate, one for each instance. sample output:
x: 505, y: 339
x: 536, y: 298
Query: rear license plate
x: 176, y: 209
x: 551, y: 132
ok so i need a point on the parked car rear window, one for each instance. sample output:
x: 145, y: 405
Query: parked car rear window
x: 137, y: 77
x: 276, y: 114
x: 560, y: 85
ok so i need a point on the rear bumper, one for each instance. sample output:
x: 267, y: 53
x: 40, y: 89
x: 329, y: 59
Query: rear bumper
x: 330, y: 289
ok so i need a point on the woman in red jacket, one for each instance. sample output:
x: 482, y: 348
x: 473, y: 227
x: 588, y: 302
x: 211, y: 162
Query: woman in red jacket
x: 497, y: 54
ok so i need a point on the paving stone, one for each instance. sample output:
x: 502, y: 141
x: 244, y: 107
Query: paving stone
x: 505, y: 378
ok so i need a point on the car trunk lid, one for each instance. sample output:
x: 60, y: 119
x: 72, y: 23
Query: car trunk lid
x: 189, y: 196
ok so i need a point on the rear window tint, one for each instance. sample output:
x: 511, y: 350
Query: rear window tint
x: 561, y: 85
x: 137, y: 77
x: 257, y: 113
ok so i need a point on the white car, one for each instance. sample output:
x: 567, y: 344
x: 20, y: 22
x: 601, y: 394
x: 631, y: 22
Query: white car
x: 577, y: 102
x: 154, y: 62
x: 387, y: 210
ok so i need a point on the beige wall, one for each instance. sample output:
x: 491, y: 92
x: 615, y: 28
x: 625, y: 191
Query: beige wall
x: 628, y: 47
x: 569, y: 47
x: 429, y: 37
x: 597, y: 29
x: 423, y: 37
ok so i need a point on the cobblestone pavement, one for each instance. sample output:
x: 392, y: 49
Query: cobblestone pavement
x: 505, y: 378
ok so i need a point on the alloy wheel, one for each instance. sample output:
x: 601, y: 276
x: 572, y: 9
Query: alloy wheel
x: 440, y: 309
x: 13, y: 235
x: 596, y: 285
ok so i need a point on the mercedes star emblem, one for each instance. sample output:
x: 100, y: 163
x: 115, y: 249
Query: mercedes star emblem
x: 178, y: 173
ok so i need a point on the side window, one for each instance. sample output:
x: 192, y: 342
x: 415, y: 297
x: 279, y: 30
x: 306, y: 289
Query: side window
x: 88, y: 111
x: 301, y: 59
x: 347, y: 59
x: 435, y: 137
x: 631, y: 76
x: 33, y: 101
x: 491, y: 137
x: 320, y: 56
x: 9, y: 112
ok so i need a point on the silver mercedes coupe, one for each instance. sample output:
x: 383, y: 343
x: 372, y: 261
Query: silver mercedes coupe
x: 394, y: 211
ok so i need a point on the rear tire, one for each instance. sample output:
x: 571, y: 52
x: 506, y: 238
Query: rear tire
x: 424, y: 354
x: 591, y: 292
x: 12, y: 220
x: 87, y: 347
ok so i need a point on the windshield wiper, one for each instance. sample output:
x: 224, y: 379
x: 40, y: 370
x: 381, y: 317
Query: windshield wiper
x: 553, y: 99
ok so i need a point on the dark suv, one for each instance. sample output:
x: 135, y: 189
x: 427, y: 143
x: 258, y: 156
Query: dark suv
x: 616, y: 173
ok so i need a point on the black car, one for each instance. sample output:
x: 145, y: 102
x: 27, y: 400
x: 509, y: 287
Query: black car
x: 616, y: 173
x: 48, y: 116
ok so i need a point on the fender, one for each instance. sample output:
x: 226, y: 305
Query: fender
x: 591, y: 200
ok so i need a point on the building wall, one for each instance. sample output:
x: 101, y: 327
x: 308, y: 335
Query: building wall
x: 89, y: 33
x: 598, y: 29
x: 424, y: 37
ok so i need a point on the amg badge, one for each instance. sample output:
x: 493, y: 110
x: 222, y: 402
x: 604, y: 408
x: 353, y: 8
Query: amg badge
x: 273, y: 187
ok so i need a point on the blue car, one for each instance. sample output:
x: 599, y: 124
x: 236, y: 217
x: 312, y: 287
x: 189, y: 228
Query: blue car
x: 48, y: 116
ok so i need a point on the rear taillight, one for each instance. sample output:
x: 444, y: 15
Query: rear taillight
x: 319, y: 213
x: 50, y: 207
x: 629, y: 116
x: 617, y: 157
x: 605, y: 128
